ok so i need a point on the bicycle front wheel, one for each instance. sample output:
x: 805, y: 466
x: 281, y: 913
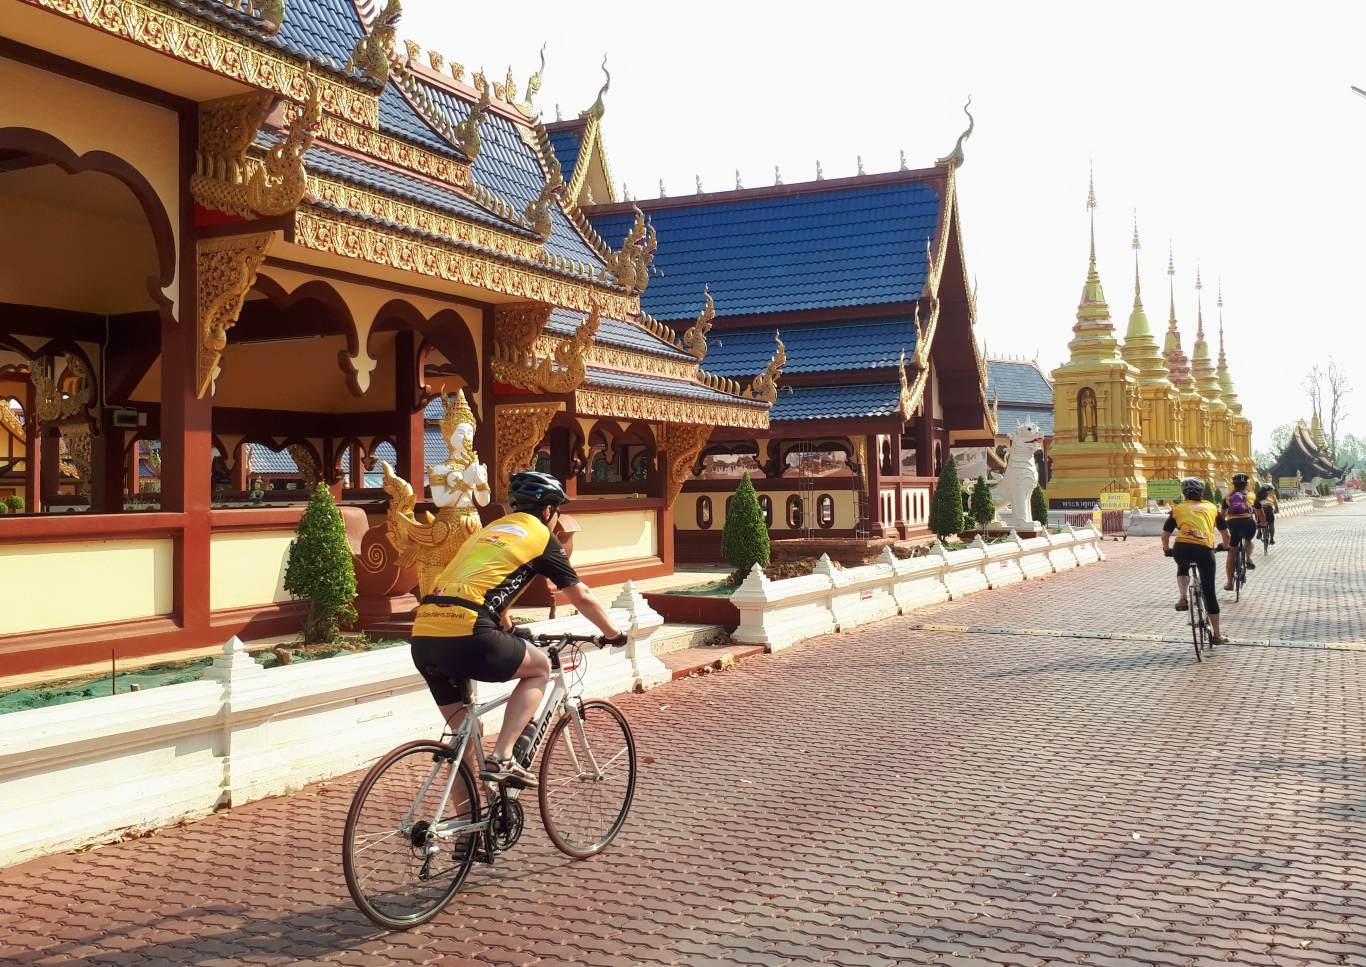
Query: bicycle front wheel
x: 402, y: 862
x: 587, y: 779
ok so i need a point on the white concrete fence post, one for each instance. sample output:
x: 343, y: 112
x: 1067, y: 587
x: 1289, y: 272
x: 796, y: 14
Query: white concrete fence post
x: 642, y: 621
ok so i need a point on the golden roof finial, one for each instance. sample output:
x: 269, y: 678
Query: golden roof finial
x: 1138, y: 287
x: 599, y: 109
x: 1199, y: 307
x: 1091, y: 209
x: 695, y: 338
x: 533, y: 87
x: 954, y: 159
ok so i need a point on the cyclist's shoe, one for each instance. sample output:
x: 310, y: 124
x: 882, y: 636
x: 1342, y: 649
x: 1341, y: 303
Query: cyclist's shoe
x: 1217, y: 639
x: 1251, y: 566
x: 1182, y: 606
x: 1229, y: 586
x: 509, y: 771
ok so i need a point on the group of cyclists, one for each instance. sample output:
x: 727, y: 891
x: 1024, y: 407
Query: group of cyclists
x: 1197, y: 528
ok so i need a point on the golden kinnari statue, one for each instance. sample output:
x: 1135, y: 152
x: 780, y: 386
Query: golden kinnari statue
x: 459, y: 487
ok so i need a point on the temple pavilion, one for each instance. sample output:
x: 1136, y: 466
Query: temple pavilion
x: 1305, y: 457
x: 854, y: 292
x: 236, y: 228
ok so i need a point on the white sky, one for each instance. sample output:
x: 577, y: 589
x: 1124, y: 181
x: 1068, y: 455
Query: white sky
x: 1231, y: 127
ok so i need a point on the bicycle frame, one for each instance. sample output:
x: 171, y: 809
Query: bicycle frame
x: 560, y: 701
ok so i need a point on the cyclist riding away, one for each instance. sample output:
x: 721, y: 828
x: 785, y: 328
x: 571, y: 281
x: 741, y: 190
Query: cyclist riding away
x: 1242, y: 525
x: 463, y: 630
x: 1195, y: 522
x: 1266, y: 501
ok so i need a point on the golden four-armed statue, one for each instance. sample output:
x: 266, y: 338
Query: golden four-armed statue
x: 459, y: 487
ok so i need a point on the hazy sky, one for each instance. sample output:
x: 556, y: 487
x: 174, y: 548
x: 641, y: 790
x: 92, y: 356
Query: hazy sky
x: 1231, y: 127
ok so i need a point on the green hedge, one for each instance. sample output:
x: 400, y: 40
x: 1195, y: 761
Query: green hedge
x: 744, y: 540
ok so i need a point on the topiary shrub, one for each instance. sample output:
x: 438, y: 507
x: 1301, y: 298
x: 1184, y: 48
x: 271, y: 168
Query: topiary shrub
x: 1324, y: 488
x: 981, y: 506
x: 15, y: 504
x: 946, y: 510
x: 1038, y: 505
x: 320, y: 569
x: 744, y: 540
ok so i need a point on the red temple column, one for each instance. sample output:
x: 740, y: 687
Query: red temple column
x: 924, y: 431
x: 108, y: 468
x: 33, y: 454
x: 873, y: 470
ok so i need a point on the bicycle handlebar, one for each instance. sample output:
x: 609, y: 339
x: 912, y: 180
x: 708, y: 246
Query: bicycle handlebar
x: 565, y: 638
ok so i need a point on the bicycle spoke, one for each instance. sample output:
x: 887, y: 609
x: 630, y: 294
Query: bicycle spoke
x: 583, y: 808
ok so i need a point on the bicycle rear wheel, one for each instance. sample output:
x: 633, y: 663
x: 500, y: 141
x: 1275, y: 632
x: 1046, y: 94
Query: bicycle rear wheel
x: 1197, y: 613
x: 389, y: 826
x: 587, y: 779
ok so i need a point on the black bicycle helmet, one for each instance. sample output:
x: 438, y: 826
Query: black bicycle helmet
x: 1192, y: 488
x: 532, y: 490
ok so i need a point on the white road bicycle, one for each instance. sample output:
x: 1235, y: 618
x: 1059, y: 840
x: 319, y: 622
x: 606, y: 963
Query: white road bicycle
x: 418, y: 821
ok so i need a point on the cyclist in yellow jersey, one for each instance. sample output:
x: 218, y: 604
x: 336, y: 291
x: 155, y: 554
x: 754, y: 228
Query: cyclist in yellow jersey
x: 1195, y: 522
x: 462, y: 630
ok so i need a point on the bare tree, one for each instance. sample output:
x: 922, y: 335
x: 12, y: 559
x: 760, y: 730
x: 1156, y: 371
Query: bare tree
x: 1313, y: 385
x: 1338, y: 389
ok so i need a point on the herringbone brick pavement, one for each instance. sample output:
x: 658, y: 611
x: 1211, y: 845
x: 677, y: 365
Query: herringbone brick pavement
x: 883, y: 797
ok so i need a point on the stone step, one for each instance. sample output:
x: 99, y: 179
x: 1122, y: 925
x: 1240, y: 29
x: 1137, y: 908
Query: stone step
x: 676, y: 637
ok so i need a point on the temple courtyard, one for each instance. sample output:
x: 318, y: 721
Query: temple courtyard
x: 1039, y: 793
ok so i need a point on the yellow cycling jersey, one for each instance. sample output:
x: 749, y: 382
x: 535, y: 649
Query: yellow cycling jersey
x: 1195, y: 522
x: 493, y: 567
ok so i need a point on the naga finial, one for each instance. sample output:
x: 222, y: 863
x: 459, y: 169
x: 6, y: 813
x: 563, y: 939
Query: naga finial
x: 695, y: 339
x: 467, y: 131
x: 533, y: 87
x: 954, y: 159
x: 599, y: 109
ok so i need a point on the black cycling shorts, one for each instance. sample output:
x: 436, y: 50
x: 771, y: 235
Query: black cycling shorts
x: 447, y: 664
x: 1242, y: 529
x: 1202, y: 559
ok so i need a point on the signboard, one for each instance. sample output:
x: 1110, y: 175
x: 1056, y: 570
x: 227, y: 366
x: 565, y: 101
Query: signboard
x: 1072, y: 503
x: 1115, y: 501
x: 1164, y: 488
x: 1288, y: 485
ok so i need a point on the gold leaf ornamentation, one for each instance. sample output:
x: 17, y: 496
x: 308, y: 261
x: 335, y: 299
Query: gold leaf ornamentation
x: 375, y: 51
x: 518, y: 429
x: 326, y: 233
x: 466, y: 133
x: 695, y: 339
x: 562, y: 372
x: 226, y: 269
x: 308, y: 467
x: 765, y: 385
x: 517, y: 325
x: 538, y: 210
x: 377, y: 145
x: 597, y: 401
x: 631, y: 265
x: 681, y: 442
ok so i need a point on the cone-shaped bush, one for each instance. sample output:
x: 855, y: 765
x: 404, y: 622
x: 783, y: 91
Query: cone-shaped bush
x: 744, y: 541
x: 946, y: 511
x: 981, y: 506
x: 1038, y: 505
x: 320, y: 569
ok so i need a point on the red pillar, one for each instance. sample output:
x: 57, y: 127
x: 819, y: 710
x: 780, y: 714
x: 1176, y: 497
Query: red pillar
x: 873, y: 470
x: 50, y: 456
x: 107, y: 469
x: 924, y: 431
x: 33, y: 454
x: 408, y: 422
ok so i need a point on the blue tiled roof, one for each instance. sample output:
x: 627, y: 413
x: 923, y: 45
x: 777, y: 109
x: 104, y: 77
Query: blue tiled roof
x: 613, y: 332
x: 325, y: 30
x: 398, y: 117
x: 433, y: 410
x: 385, y: 451
x: 567, y: 144
x: 861, y: 245
x: 434, y: 449
x: 1017, y: 382
x: 845, y: 401
x: 363, y: 173
x: 1009, y: 417
x: 508, y: 167
x: 812, y: 349
x: 266, y: 460
x: 632, y: 382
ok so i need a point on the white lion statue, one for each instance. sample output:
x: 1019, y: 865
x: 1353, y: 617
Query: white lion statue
x: 1015, y: 488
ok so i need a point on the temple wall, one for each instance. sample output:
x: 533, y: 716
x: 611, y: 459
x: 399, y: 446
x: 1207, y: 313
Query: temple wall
x: 300, y: 375
x: 248, y: 568
x: 618, y: 535
x: 86, y: 118
x: 65, y: 584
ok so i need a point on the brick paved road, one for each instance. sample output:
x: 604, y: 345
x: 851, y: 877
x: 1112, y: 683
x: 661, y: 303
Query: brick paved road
x: 885, y: 797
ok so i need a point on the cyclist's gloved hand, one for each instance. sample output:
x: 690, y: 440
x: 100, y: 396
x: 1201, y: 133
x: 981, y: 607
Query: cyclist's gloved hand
x: 616, y: 641
x: 521, y: 631
x: 1168, y: 551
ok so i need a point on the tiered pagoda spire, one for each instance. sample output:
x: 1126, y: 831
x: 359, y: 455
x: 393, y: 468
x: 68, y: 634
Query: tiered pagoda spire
x: 1094, y: 337
x: 1140, y: 348
x: 1229, y: 394
x: 1178, y: 366
x: 1202, y: 364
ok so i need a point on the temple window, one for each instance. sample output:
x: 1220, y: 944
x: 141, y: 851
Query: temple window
x: 766, y: 505
x: 1086, y: 415
x: 825, y: 511
x: 794, y: 512
x: 704, y: 519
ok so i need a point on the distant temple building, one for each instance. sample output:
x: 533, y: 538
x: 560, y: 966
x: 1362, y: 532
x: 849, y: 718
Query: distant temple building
x: 1305, y: 458
x: 1126, y: 414
x: 853, y: 292
x: 1020, y: 390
